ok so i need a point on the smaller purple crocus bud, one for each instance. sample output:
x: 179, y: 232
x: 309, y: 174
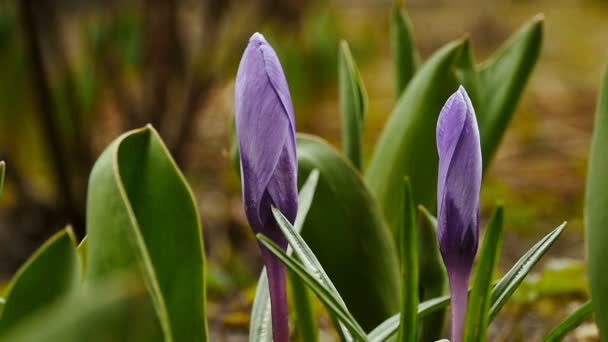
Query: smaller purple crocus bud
x: 265, y: 127
x: 458, y: 188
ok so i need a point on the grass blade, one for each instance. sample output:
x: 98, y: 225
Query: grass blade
x: 331, y: 301
x: 574, y: 320
x: 408, y: 251
x: 479, y: 300
x: 510, y: 281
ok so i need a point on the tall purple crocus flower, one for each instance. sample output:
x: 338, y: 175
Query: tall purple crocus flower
x: 266, y: 133
x: 458, y: 187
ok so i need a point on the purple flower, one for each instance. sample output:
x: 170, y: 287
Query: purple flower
x: 458, y: 187
x: 266, y: 133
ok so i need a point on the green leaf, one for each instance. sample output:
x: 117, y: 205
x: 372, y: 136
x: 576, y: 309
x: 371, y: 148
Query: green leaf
x: 309, y: 260
x: 502, y: 82
x: 2, y: 172
x: 50, y: 274
x: 596, y: 215
x: 510, y: 281
x: 345, y: 215
x: 405, y: 54
x: 407, y: 143
x: 353, y: 105
x: 331, y: 302
x: 260, y: 327
x: 408, y: 251
x: 480, y: 298
x: 570, y: 323
x: 142, y: 218
x: 115, y: 311
x: 433, y: 276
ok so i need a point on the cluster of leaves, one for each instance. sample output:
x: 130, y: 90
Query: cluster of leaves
x: 367, y: 247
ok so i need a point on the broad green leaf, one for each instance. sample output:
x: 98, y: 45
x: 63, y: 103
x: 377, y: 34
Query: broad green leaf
x: 309, y: 261
x: 2, y: 171
x: 501, y: 292
x: 331, y: 302
x: 596, y: 215
x: 115, y: 311
x: 510, y: 281
x: 348, y: 235
x: 51, y: 273
x: 408, y: 252
x: 407, y: 143
x: 480, y: 298
x: 260, y: 327
x: 570, y: 323
x: 142, y: 218
x: 353, y: 105
x: 466, y: 73
x: 433, y: 276
x: 405, y: 54
x: 502, y: 82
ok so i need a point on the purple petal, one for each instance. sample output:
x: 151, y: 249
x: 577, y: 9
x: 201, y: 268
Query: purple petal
x: 266, y: 133
x: 458, y: 188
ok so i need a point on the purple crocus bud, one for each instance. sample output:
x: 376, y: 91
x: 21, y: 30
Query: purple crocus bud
x: 458, y: 187
x: 266, y: 132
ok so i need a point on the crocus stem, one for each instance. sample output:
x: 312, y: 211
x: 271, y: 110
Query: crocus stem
x: 278, y: 296
x: 459, y: 291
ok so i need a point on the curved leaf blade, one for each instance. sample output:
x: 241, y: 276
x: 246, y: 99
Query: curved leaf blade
x: 330, y: 301
x: 502, y: 82
x: 142, y: 217
x: 570, y: 323
x: 55, y: 266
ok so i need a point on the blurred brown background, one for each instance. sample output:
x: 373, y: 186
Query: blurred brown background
x: 75, y: 74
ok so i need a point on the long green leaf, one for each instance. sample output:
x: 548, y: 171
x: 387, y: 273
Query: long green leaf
x: 353, y: 105
x: 596, y: 215
x: 331, y: 302
x: 406, y: 145
x: 142, y: 218
x: 480, y: 298
x: 502, y: 82
x: 345, y: 215
x: 570, y: 323
x: 51, y: 273
x: 408, y: 251
x: 510, y: 281
x: 260, y: 327
x: 405, y: 54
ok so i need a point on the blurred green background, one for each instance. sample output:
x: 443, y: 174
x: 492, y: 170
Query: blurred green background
x: 75, y: 74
